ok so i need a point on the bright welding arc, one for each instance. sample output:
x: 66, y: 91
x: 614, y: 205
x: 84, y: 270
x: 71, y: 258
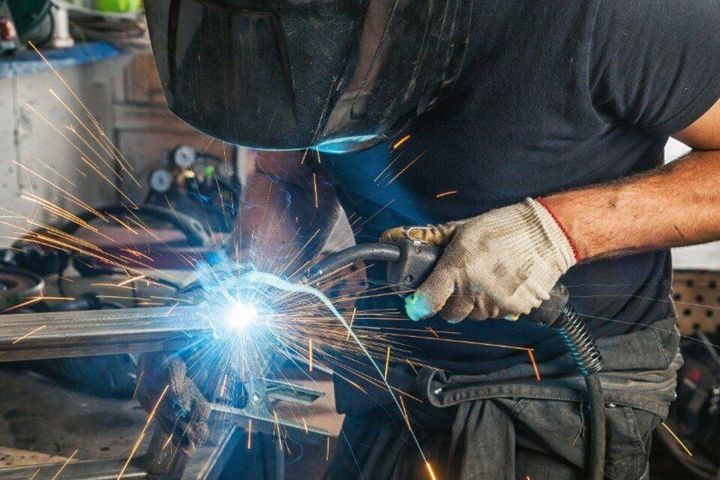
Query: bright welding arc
x: 277, y: 282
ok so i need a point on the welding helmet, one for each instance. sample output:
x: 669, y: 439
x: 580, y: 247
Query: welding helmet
x: 338, y: 75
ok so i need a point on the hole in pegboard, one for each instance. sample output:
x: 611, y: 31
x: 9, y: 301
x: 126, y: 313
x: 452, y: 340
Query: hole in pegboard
x: 697, y: 300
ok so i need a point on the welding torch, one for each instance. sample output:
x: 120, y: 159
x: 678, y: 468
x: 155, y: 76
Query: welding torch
x: 409, y: 262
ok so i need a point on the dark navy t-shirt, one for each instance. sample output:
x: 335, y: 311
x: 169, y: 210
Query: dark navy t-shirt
x: 554, y: 94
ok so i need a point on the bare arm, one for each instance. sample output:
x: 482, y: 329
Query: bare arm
x: 279, y: 214
x: 678, y: 204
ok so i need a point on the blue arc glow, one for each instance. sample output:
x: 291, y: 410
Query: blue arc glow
x: 254, y: 276
x: 239, y: 316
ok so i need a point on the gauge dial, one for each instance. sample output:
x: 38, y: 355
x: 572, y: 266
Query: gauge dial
x: 184, y: 157
x: 161, y: 180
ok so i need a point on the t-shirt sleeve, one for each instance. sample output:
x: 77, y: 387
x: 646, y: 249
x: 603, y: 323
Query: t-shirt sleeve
x: 655, y: 64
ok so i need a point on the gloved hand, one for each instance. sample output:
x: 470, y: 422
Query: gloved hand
x: 499, y: 264
x: 183, y: 412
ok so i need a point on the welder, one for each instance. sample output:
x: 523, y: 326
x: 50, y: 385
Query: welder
x: 530, y: 136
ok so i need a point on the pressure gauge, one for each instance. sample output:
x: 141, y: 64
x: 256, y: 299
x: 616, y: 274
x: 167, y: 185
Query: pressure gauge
x: 161, y: 180
x: 225, y: 170
x: 184, y: 157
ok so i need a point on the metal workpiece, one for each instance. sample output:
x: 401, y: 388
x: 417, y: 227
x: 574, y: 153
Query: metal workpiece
x: 80, y: 470
x: 37, y: 336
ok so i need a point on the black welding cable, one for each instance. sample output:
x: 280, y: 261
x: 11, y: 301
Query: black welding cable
x: 597, y: 426
x: 366, y: 252
x: 569, y: 324
x: 581, y: 345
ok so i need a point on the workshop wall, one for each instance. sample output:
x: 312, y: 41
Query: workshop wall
x: 29, y: 143
x: 145, y: 129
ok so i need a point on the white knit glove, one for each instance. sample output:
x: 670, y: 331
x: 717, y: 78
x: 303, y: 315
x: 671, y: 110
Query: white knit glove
x: 497, y: 265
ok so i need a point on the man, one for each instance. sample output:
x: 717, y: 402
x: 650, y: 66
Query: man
x: 540, y: 161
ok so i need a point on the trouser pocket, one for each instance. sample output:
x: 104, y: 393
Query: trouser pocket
x: 559, y: 429
x: 629, y: 434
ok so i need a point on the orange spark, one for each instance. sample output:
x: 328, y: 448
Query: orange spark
x: 310, y: 354
x: 469, y: 342
x: 401, y: 142
x: 315, y: 190
x: 67, y: 462
x: 249, y: 434
x: 352, y: 320
x: 387, y: 167
x: 28, y: 334
x: 74, y: 199
x: 430, y: 471
x: 167, y: 442
x: 80, y: 102
x: 446, y: 194
x: 138, y: 382
x: 130, y: 280
x: 143, y: 432
x: 23, y: 304
x: 411, y: 365
x: 169, y: 312
x: 305, y: 426
x: 279, y: 433
x: 534, y: 364
x: 128, y: 227
x: 387, y: 362
x: 677, y: 439
x: 406, y: 167
x: 405, y: 413
x: 54, y: 171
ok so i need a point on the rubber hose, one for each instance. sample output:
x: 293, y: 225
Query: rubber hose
x: 343, y: 258
x: 597, y: 426
x: 569, y: 324
x: 582, y: 348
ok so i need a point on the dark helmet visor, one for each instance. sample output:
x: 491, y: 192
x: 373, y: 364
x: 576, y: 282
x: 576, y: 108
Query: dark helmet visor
x: 288, y: 74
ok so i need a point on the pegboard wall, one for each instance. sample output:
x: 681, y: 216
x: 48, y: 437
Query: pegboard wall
x: 696, y: 295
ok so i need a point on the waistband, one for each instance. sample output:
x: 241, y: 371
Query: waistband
x: 640, y: 371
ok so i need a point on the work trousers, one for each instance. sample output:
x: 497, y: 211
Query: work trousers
x: 507, y: 425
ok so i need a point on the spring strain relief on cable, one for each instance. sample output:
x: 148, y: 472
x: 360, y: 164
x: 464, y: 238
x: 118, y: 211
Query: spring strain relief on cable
x: 579, y: 342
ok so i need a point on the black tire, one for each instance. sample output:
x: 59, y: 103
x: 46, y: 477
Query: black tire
x: 108, y: 376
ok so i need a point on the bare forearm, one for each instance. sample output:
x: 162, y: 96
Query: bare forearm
x: 676, y: 205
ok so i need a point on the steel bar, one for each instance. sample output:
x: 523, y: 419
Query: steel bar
x: 36, y: 336
x: 267, y: 424
x: 80, y: 470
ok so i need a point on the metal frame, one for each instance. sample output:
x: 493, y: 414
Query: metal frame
x: 38, y: 336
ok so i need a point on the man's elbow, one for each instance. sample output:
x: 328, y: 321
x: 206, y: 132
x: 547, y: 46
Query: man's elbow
x: 704, y: 133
